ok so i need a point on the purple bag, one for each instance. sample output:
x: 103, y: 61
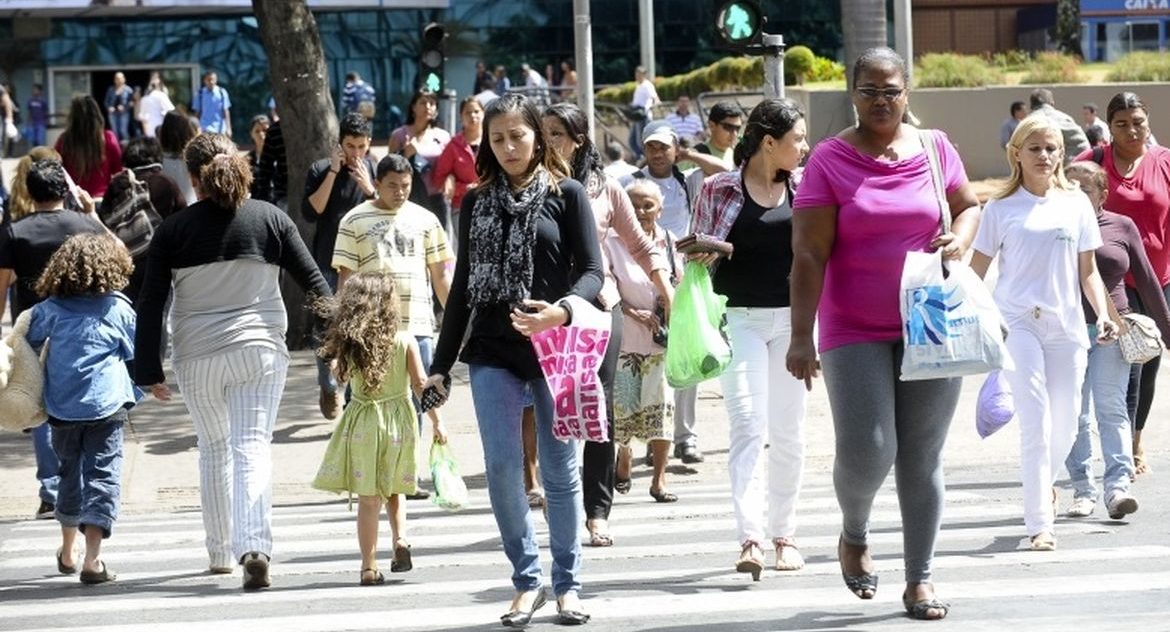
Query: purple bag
x: 995, y: 407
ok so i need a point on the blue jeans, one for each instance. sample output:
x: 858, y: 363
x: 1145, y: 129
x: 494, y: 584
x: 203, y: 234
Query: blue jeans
x: 1106, y: 379
x: 47, y: 463
x: 35, y: 135
x: 498, y: 396
x: 120, y: 122
x: 426, y: 352
x: 91, y: 471
x: 325, y: 379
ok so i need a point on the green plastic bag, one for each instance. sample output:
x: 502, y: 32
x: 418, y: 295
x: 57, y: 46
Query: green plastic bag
x: 450, y: 492
x: 697, y: 349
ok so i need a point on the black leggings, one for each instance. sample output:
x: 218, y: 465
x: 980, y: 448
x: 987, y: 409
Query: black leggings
x: 1142, y: 377
x: 597, y: 465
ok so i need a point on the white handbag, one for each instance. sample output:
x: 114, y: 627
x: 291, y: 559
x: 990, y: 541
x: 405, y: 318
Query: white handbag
x: 1140, y: 340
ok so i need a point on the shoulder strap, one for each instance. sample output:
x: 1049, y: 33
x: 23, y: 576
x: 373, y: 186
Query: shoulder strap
x: 1099, y: 154
x: 670, y: 256
x: 928, y: 138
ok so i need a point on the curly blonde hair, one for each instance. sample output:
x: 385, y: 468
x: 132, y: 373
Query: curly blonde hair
x: 86, y: 264
x: 363, y: 327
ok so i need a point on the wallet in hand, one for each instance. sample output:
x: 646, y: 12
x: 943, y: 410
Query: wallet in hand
x: 704, y: 244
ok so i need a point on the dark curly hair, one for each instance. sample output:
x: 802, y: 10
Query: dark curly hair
x: 86, y: 264
x: 363, y: 327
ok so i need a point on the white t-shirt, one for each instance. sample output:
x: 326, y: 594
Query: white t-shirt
x: 676, y: 212
x: 645, y: 96
x: 152, y: 108
x: 1038, y: 241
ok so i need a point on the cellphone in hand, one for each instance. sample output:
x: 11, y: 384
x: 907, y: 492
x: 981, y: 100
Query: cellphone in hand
x: 431, y: 398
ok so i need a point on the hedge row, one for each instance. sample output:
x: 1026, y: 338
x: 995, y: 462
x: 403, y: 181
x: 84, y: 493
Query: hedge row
x: 1143, y: 66
x: 728, y: 73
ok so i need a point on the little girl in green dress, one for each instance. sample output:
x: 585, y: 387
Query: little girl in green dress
x: 372, y: 451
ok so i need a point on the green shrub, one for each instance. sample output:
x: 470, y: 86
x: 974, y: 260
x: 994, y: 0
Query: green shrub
x: 1141, y: 66
x: 799, y: 60
x: 951, y: 70
x: 1012, y: 60
x: 1052, y: 67
x: 727, y: 73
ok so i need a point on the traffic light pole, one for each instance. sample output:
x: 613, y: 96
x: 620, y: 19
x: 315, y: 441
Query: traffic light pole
x: 583, y: 36
x: 773, y: 52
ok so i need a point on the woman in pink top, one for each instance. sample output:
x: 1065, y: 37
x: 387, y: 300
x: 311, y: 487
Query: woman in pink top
x: 867, y: 198
x: 90, y: 152
x: 1139, y: 188
x: 421, y: 141
x: 454, y: 171
x: 566, y: 130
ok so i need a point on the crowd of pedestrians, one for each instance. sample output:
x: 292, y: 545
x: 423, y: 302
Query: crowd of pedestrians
x: 499, y: 232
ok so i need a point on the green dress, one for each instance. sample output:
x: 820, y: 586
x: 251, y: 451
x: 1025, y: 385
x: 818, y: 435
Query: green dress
x: 372, y: 450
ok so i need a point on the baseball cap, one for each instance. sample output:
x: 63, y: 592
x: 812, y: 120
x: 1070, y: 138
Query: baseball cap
x: 659, y: 131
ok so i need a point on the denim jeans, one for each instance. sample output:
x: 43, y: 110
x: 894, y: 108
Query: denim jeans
x: 47, y: 463
x: 426, y: 351
x: 90, y: 491
x: 325, y: 378
x: 35, y: 135
x: 1106, y: 379
x: 120, y: 122
x: 498, y: 395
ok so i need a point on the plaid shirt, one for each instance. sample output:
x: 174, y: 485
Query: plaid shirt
x: 720, y: 201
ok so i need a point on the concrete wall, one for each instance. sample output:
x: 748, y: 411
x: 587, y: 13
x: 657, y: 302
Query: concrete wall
x: 971, y: 117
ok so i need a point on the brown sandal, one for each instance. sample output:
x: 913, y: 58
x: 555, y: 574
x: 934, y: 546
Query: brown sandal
x: 374, y: 578
x: 401, y: 562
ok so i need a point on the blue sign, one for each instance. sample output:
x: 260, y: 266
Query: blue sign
x: 1141, y: 7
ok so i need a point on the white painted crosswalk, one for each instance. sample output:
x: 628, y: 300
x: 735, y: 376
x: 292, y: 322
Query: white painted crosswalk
x: 670, y: 569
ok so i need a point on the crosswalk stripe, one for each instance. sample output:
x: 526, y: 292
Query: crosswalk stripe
x: 656, y: 606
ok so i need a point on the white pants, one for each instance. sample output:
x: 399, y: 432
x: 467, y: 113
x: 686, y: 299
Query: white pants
x: 233, y: 398
x: 1046, y: 388
x: 763, y: 397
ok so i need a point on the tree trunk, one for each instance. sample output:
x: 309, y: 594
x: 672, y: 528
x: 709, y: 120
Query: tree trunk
x: 300, y: 84
x: 863, y: 25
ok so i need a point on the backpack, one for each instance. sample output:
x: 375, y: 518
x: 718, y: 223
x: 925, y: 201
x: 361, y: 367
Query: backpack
x: 131, y: 215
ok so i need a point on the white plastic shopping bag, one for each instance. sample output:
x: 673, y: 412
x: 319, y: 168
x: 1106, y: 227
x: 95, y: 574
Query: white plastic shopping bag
x: 950, y: 324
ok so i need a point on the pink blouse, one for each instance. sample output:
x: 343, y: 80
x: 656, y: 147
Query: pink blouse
x: 615, y: 216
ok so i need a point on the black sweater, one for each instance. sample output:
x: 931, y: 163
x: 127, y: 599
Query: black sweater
x: 220, y: 301
x: 566, y: 260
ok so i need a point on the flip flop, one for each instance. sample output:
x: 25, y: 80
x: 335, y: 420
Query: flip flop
x: 663, y: 496
x: 100, y: 577
x: 61, y: 568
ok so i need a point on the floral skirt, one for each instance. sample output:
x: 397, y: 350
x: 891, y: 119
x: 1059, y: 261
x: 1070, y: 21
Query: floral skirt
x: 372, y: 450
x: 643, y: 404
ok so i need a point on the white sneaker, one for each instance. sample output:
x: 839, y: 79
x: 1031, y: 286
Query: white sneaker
x: 1081, y: 508
x: 1120, y: 505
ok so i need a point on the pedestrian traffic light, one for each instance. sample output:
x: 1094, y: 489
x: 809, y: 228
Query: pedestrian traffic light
x: 741, y: 23
x: 431, y: 57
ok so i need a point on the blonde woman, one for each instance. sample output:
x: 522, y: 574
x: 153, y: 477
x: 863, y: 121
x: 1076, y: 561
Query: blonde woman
x: 19, y: 202
x: 1045, y: 230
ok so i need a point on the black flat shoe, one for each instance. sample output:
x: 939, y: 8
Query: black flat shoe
x: 91, y: 578
x: 571, y: 617
x: 520, y: 618
x: 922, y: 608
x: 864, y: 585
x: 61, y: 568
x: 622, y: 485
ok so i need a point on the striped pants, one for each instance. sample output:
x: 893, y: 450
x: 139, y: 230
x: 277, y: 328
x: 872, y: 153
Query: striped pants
x: 233, y: 398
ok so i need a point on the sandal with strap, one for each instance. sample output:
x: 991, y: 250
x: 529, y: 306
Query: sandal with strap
x: 663, y: 496
x: 751, y: 560
x: 921, y: 609
x: 374, y: 578
x: 622, y: 485
x: 535, y: 499
x: 788, y: 557
x: 401, y: 562
x: 863, y: 585
x: 598, y: 536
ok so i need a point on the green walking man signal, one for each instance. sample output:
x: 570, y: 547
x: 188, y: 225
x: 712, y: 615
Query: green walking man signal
x: 740, y: 23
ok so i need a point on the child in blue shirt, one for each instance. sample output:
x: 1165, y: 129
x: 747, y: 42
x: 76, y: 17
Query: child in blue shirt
x: 89, y: 327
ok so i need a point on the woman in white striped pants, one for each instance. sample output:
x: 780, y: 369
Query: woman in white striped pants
x: 224, y: 255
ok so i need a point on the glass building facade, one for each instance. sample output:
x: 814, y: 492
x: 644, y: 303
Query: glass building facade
x: 81, y: 54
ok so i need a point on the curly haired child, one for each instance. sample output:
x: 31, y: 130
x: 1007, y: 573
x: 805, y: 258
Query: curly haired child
x: 89, y: 327
x: 372, y: 451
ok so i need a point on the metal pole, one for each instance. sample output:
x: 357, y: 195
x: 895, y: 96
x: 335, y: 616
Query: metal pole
x: 904, y: 36
x: 646, y: 35
x: 583, y: 40
x: 773, y: 66
x: 447, y: 110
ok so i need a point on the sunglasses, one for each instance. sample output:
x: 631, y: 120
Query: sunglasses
x: 888, y: 93
x: 731, y: 128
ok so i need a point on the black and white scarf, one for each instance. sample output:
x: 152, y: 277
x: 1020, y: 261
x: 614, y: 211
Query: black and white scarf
x: 503, y: 234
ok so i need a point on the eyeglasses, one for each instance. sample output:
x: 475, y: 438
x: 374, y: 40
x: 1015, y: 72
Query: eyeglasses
x: 888, y: 93
x: 731, y: 128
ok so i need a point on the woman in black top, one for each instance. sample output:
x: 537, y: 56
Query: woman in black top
x: 530, y: 242
x: 752, y: 208
x: 223, y: 256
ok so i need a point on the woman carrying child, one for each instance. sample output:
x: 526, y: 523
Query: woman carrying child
x: 372, y: 451
x: 89, y: 326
